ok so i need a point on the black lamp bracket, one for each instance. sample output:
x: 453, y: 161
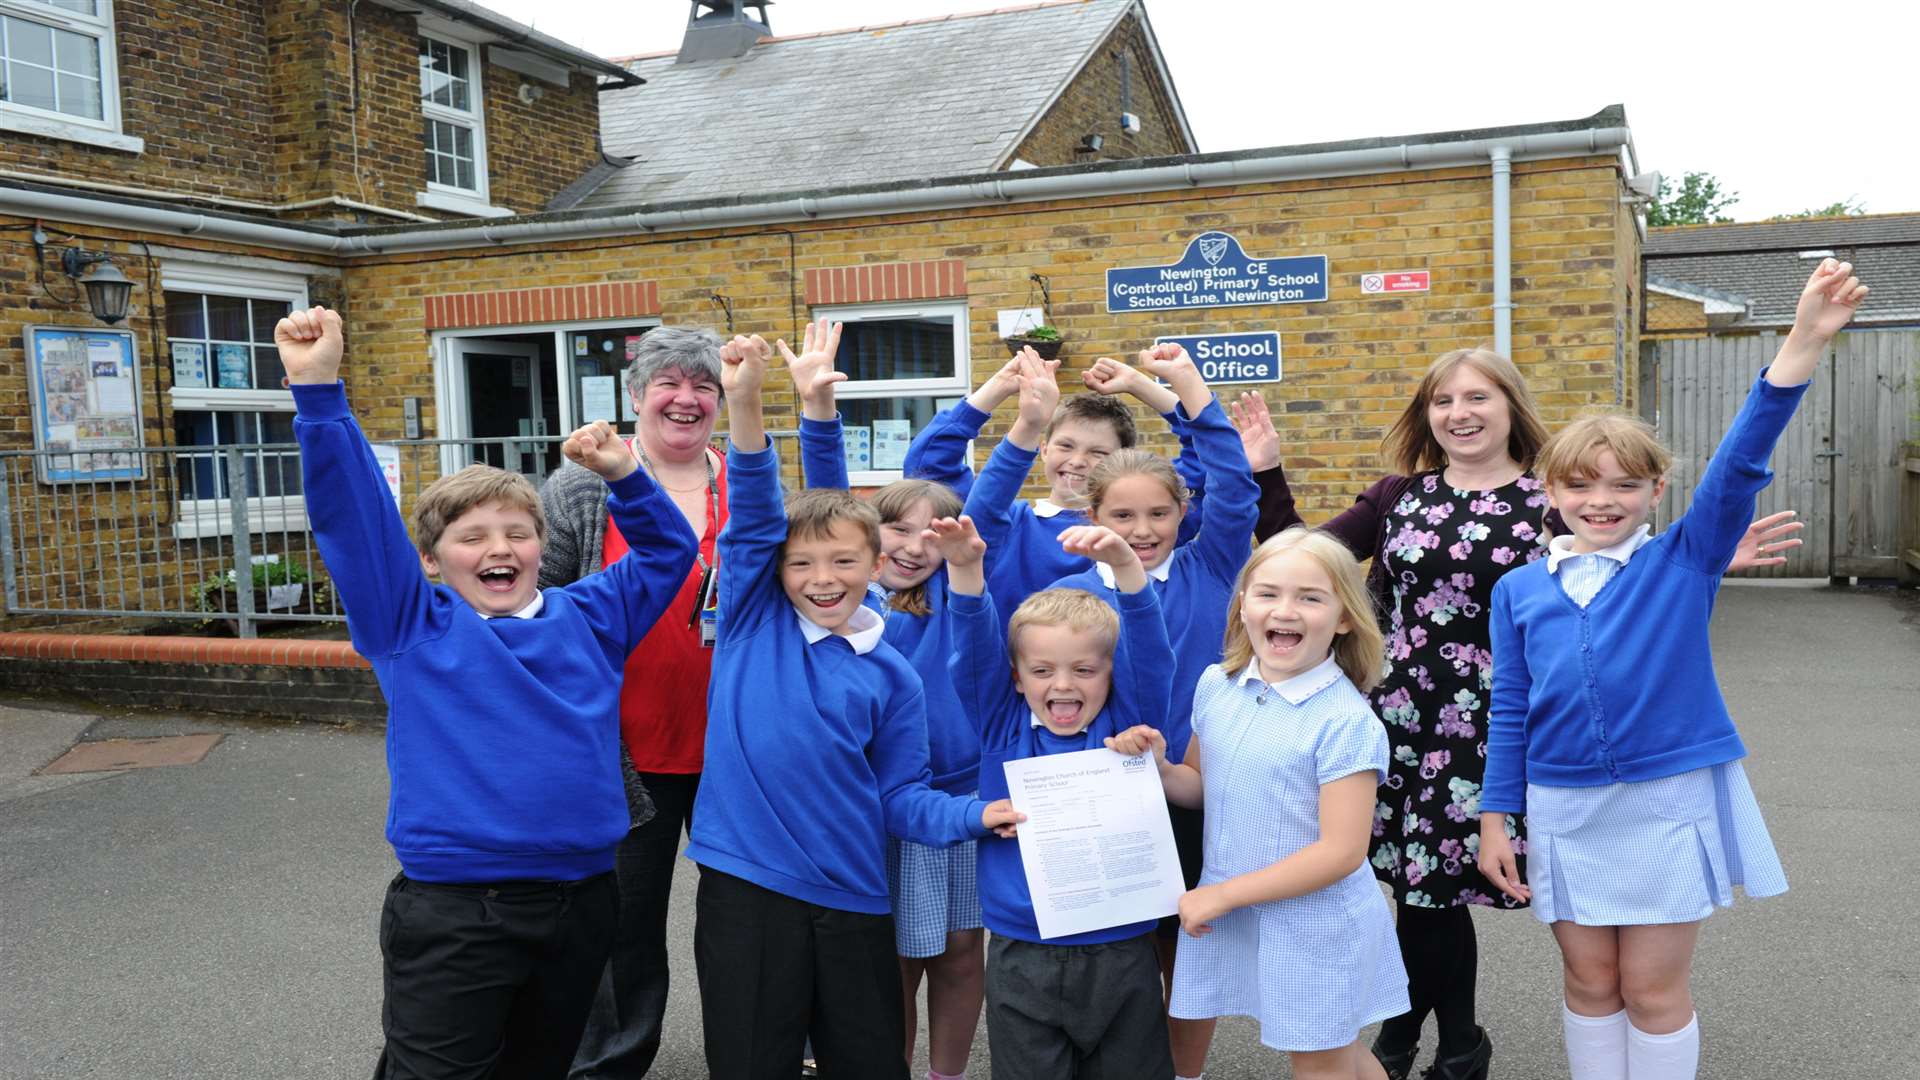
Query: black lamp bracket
x: 74, y: 261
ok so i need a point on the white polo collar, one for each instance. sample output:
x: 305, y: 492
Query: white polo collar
x: 1560, y: 548
x: 1299, y: 688
x: 1157, y: 573
x: 533, y: 608
x: 866, y: 623
x: 1047, y: 508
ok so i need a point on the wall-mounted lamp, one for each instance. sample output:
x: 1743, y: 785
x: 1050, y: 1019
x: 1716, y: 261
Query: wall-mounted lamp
x: 109, y: 292
x: 1090, y: 144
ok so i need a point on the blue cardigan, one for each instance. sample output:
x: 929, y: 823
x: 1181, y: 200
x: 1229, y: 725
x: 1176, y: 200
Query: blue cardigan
x: 1623, y: 689
x: 503, y: 735
x: 815, y: 753
x: 983, y: 676
x: 1200, y: 575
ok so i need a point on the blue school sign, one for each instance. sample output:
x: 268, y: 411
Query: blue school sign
x: 1215, y: 272
x: 1233, y: 358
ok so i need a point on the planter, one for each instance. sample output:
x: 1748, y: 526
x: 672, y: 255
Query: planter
x: 1048, y: 348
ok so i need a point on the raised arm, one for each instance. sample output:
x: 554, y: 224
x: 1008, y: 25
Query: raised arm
x: 990, y: 503
x: 1110, y: 376
x: 823, y: 454
x: 982, y: 676
x: 361, y: 538
x: 749, y: 545
x: 939, y: 452
x: 1233, y: 498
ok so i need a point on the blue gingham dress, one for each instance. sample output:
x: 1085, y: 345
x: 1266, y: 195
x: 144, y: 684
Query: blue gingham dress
x: 934, y: 891
x: 1616, y: 855
x: 1313, y: 969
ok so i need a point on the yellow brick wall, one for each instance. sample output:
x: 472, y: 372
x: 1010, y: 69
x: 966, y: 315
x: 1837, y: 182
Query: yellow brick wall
x: 1091, y: 105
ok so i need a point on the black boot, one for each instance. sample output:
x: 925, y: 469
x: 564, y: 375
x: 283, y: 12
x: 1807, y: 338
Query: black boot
x: 1399, y: 1066
x: 1475, y: 1064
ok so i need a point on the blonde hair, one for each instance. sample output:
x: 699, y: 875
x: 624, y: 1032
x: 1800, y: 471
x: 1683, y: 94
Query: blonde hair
x: 447, y: 498
x: 896, y: 501
x: 1360, y: 651
x: 1575, y: 451
x: 1122, y: 463
x: 813, y: 512
x: 1410, y: 447
x: 1076, y: 609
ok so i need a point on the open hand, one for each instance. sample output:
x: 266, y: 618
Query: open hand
x: 311, y: 343
x: 1828, y: 302
x: 598, y: 448
x: 1099, y: 543
x: 1199, y: 908
x: 1004, y: 384
x: 959, y: 542
x: 1039, y: 388
x: 1257, y: 435
x: 1137, y: 740
x: 1767, y: 535
x: 1002, y: 818
x: 743, y: 365
x: 1497, y: 860
x: 813, y: 374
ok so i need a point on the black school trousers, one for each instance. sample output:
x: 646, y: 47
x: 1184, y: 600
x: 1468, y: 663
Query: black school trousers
x: 775, y: 971
x: 490, y: 980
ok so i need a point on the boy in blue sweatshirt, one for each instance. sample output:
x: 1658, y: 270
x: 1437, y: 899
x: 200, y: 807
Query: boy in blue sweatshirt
x: 503, y: 735
x: 1087, y: 1004
x: 816, y: 751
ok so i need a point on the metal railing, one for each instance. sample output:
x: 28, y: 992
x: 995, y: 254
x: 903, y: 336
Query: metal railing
x: 161, y: 535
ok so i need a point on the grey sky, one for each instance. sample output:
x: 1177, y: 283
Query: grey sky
x: 1791, y: 108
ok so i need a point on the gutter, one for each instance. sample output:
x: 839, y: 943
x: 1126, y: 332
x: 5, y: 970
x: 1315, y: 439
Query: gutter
x: 992, y: 189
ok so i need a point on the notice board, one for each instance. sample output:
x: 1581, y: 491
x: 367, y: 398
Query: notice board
x: 85, y: 392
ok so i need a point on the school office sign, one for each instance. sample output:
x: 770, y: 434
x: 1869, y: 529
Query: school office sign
x: 1215, y: 272
x: 1233, y: 358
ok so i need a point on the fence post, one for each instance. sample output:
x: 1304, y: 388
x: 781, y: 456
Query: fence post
x: 242, y: 536
x: 6, y: 531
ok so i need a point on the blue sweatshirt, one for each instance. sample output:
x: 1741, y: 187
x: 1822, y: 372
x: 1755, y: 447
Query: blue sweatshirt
x: 953, y: 750
x: 814, y: 752
x: 983, y: 676
x: 503, y: 735
x: 1623, y: 689
x: 1196, y: 582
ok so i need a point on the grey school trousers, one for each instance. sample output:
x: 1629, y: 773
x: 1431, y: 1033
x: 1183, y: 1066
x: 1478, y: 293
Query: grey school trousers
x: 1076, y: 1012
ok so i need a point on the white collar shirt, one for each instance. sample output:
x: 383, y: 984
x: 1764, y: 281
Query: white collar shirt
x: 533, y: 608
x: 1299, y: 688
x: 1583, y: 574
x: 865, y: 623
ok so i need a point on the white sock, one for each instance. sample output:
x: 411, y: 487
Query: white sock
x: 1596, y: 1045
x: 1202, y: 1076
x: 1664, y: 1057
x: 935, y: 1074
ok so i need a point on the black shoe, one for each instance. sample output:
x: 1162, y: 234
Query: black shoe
x: 1399, y: 1066
x: 1475, y: 1064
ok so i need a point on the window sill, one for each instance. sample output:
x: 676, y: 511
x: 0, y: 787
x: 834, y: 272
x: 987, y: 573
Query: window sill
x: 200, y: 519
x: 69, y: 131
x: 217, y: 400
x: 454, y: 204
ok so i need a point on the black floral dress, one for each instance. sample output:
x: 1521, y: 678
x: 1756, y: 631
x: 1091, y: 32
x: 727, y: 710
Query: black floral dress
x: 1444, y: 549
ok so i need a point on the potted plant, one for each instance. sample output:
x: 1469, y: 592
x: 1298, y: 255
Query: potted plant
x: 1044, y: 340
x: 277, y: 586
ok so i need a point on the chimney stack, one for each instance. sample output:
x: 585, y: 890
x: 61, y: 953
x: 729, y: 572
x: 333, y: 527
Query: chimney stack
x: 724, y: 31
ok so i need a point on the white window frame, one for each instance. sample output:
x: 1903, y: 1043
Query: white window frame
x: 266, y: 513
x: 448, y: 197
x: 957, y: 385
x: 104, y: 132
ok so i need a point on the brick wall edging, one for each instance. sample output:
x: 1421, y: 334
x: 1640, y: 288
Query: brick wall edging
x: 181, y: 650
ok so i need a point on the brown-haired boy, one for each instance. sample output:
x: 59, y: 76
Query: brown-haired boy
x: 816, y: 751
x: 503, y: 734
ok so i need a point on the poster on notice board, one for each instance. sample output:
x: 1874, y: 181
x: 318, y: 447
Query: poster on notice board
x: 84, y: 389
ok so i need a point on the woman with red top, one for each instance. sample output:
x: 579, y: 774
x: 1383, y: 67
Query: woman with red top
x: 674, y: 382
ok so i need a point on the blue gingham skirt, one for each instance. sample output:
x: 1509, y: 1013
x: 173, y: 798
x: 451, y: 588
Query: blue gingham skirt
x: 934, y: 891
x: 1653, y: 851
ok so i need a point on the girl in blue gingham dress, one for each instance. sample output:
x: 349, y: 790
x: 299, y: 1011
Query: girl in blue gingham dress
x: 1608, y: 729
x: 1287, y: 924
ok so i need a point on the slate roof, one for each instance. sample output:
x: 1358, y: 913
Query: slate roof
x: 1762, y: 263
x: 934, y: 97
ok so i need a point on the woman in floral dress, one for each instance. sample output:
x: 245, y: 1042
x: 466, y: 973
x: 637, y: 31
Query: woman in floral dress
x: 1459, y: 511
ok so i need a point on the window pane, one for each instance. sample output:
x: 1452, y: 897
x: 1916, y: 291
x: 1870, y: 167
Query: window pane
x: 227, y: 318
x: 466, y: 175
x: 266, y: 315
x: 80, y: 96
x: 457, y: 73
x: 79, y: 7
x: 463, y: 143
x: 898, y: 349
x: 78, y: 54
x: 29, y: 42
x: 858, y: 416
x: 30, y: 86
x: 185, y: 319
x: 267, y: 369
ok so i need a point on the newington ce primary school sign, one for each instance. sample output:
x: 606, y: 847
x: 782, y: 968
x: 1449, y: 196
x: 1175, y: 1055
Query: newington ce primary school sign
x: 1216, y: 272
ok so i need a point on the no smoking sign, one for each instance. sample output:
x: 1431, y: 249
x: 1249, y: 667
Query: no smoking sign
x: 1396, y: 281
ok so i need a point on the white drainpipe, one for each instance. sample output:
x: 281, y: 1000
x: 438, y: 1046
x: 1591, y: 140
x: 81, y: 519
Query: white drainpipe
x: 1502, y: 250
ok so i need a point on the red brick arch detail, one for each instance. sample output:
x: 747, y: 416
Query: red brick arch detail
x: 870, y: 283
x: 561, y: 303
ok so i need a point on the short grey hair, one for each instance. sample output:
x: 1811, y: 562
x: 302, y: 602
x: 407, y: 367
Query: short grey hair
x: 692, y: 349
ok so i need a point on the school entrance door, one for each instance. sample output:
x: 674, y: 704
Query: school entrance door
x: 1839, y: 464
x: 502, y: 396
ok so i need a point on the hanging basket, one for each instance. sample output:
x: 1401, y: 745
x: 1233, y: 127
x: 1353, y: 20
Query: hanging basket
x: 1048, y: 348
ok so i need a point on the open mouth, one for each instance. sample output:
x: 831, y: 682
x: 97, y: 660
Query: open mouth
x: 1284, y: 641
x: 826, y: 601
x: 905, y: 567
x: 498, y: 579
x: 684, y: 419
x: 1145, y: 550
x: 1602, y: 521
x: 1465, y: 432
x: 1064, y: 712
